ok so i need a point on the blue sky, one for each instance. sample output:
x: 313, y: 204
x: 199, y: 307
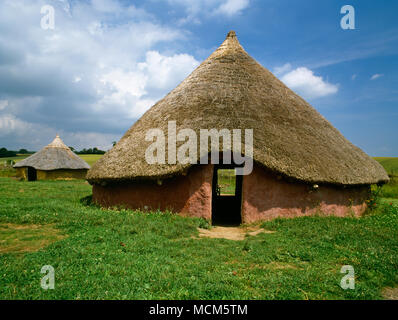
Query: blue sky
x: 107, y: 61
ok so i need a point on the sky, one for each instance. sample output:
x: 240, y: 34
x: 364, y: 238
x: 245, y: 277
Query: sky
x: 105, y: 62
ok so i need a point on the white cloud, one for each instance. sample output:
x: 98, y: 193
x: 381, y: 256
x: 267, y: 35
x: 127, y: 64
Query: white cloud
x: 232, y: 7
x: 124, y: 82
x: 309, y: 85
x: 282, y: 69
x: 65, y: 5
x: 158, y: 73
x: 3, y: 104
x: 163, y: 70
x: 353, y: 77
x: 376, y: 76
x: 106, y: 5
x: 10, y: 124
x: 198, y: 8
x: 102, y: 67
x: 40, y: 135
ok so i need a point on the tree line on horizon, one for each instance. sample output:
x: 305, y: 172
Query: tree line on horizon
x: 11, y: 153
x: 94, y: 150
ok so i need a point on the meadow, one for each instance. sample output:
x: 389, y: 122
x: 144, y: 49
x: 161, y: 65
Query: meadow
x: 390, y: 164
x: 124, y: 254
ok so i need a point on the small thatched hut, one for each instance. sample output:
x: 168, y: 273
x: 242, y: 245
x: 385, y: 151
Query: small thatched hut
x: 302, y: 164
x: 55, y: 161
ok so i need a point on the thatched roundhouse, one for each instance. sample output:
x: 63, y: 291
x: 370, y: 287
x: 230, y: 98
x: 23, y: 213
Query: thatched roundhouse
x: 302, y: 164
x: 54, y: 161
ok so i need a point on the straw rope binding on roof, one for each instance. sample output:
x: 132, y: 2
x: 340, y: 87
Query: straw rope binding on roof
x: 54, y: 156
x: 231, y: 90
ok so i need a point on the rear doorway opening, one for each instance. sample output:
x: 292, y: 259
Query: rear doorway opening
x: 226, y: 196
x: 32, y: 174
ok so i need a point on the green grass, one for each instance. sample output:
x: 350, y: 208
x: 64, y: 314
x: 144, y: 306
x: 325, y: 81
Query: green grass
x: 108, y: 254
x: 7, y: 170
x: 390, y: 164
x: 389, y: 190
x: 90, y: 158
x: 226, y: 181
x: 16, y: 159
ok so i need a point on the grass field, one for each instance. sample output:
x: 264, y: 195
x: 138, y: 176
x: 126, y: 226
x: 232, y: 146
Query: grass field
x: 15, y: 159
x: 106, y: 254
x: 90, y: 158
x: 390, y: 164
x: 226, y: 181
x: 109, y: 254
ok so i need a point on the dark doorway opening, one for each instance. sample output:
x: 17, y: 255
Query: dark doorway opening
x: 32, y: 174
x: 226, y: 196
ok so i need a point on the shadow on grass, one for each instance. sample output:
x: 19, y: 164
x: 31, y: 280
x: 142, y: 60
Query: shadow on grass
x: 88, y: 201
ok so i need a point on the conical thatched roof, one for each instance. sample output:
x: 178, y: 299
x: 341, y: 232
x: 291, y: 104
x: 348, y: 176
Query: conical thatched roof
x: 231, y: 90
x: 52, y: 157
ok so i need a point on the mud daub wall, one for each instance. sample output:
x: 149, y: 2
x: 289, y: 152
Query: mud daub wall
x: 264, y: 196
x: 22, y: 173
x: 267, y: 196
x: 188, y: 195
x: 62, y: 174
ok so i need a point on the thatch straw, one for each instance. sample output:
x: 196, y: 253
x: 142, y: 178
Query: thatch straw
x: 231, y: 90
x: 52, y: 157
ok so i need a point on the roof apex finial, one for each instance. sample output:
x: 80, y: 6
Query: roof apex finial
x: 231, y: 34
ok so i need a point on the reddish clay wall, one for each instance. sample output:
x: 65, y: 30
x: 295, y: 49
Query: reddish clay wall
x: 188, y: 195
x: 266, y: 197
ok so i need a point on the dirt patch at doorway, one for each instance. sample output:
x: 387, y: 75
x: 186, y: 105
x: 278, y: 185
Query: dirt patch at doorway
x: 231, y: 233
x: 390, y: 293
